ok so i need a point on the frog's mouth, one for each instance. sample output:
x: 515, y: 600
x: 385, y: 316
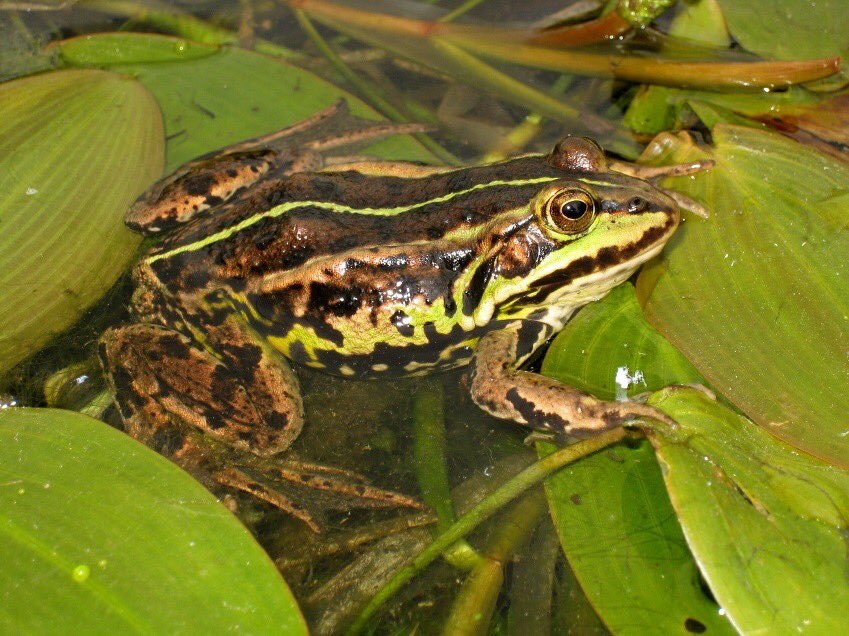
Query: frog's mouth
x: 598, y: 272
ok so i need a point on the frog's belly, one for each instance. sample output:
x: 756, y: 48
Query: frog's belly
x: 369, y: 354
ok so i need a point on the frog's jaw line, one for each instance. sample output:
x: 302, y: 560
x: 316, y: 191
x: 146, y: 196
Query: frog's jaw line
x: 567, y: 296
x: 598, y: 284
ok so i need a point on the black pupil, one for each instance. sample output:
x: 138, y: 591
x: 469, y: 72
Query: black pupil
x: 574, y: 209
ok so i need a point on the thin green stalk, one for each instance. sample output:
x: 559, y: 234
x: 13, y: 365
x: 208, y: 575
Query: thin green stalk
x: 366, y: 89
x: 470, y: 67
x: 472, y: 610
x: 431, y: 469
x: 529, y: 477
x: 467, y: 6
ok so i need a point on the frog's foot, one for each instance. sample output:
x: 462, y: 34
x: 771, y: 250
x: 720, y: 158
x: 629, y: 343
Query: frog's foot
x: 307, y: 490
x: 162, y: 379
x: 542, y: 403
x: 655, y: 173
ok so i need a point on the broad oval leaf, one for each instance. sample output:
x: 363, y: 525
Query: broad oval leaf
x: 766, y: 523
x: 102, y: 535
x: 611, y: 511
x: 757, y: 296
x: 76, y: 147
x: 609, y: 339
x: 789, y: 29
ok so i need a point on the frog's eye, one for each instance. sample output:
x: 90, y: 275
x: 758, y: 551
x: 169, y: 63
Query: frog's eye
x: 570, y: 211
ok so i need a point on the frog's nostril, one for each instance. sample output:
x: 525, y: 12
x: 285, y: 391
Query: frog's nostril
x: 637, y: 204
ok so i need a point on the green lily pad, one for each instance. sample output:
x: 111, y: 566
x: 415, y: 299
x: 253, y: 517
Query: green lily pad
x: 766, y: 524
x: 757, y: 296
x: 612, y: 514
x: 212, y: 100
x: 76, y: 147
x: 102, y: 535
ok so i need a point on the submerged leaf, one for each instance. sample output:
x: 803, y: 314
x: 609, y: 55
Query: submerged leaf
x: 76, y: 147
x: 102, y: 535
x: 766, y: 524
x: 757, y: 296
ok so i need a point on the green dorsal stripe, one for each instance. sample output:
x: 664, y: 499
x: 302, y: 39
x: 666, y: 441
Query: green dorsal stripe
x: 284, y: 208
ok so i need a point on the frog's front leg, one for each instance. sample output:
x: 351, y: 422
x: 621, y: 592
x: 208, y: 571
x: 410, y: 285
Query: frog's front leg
x: 242, y: 395
x: 541, y: 403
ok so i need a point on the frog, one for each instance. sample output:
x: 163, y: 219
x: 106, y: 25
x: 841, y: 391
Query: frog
x: 272, y: 258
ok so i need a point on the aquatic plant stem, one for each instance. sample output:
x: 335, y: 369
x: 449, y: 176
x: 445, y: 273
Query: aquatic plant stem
x: 467, y: 6
x: 472, y: 610
x: 431, y: 469
x: 532, y: 475
x: 366, y: 89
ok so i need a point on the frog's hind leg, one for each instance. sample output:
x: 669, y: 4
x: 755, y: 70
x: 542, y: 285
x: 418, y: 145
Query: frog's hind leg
x: 215, y: 178
x: 247, y: 398
x: 306, y: 491
x: 185, y: 398
x: 538, y: 402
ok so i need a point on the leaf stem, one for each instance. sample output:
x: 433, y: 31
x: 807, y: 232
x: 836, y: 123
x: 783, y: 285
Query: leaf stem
x: 471, y: 612
x: 467, y: 6
x: 431, y: 469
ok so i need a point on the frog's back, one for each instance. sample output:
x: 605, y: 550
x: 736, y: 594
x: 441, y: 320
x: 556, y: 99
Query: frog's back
x: 333, y: 266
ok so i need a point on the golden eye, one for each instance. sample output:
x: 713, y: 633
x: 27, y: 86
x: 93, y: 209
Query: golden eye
x: 570, y: 211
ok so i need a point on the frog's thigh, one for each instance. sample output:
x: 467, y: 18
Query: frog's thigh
x: 248, y: 399
x: 536, y: 401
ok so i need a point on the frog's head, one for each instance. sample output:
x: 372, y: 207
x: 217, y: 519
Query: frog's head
x: 579, y: 236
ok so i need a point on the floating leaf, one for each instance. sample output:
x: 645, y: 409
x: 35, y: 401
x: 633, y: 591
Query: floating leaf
x: 757, y: 296
x: 76, y: 147
x: 129, y: 48
x: 789, y: 29
x: 102, y: 535
x: 610, y: 337
x: 766, y: 524
x: 218, y: 99
x: 701, y: 21
x: 611, y: 510
x: 621, y: 537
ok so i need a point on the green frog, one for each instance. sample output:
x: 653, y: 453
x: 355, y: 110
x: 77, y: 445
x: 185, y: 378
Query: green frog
x: 366, y: 269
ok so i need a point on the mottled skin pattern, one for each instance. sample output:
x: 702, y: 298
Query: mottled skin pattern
x: 389, y: 269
